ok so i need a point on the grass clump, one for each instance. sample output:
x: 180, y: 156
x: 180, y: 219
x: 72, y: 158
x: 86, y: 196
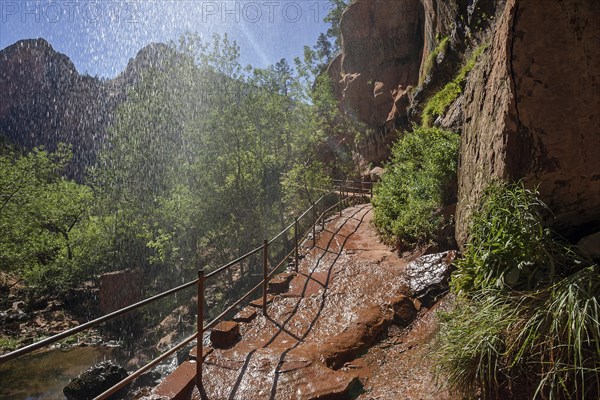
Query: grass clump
x: 471, y: 347
x: 439, y: 102
x: 526, y: 320
x: 509, y: 246
x: 8, y: 344
x: 432, y: 57
x: 419, y: 179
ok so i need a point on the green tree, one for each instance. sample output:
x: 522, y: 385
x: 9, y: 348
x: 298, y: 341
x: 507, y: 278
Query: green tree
x: 46, y: 222
x: 334, y: 17
x: 202, y: 156
x: 323, y: 51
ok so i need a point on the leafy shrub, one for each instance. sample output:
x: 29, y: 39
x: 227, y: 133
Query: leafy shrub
x: 558, y: 345
x: 471, y: 345
x: 540, y: 341
x: 419, y: 179
x: 8, y: 344
x: 439, y: 102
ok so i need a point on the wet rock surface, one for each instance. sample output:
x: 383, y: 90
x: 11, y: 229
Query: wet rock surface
x: 348, y: 327
x: 96, y: 380
x: 346, y: 293
x: 427, y: 277
x: 400, y: 366
x: 530, y: 115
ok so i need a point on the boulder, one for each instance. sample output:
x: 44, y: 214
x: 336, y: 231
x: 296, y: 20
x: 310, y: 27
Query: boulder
x: 376, y: 173
x: 404, y: 310
x: 428, y: 276
x: 95, y: 381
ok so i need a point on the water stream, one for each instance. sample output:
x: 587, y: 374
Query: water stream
x: 43, y: 375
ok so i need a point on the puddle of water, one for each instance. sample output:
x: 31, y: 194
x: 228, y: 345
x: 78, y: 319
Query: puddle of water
x: 42, y: 376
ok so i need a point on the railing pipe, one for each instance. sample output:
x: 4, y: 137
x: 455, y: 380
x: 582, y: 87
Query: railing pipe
x: 53, y: 339
x: 296, y: 243
x: 265, y: 277
x: 200, y: 329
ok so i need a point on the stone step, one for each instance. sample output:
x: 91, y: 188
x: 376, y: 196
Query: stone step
x: 225, y: 334
x: 259, y: 302
x: 179, y: 385
x: 194, y: 352
x: 245, y: 315
x: 280, y: 283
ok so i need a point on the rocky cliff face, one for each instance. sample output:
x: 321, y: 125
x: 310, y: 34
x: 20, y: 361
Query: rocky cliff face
x: 384, y: 48
x: 382, y: 44
x: 44, y: 100
x: 532, y: 112
x: 531, y: 106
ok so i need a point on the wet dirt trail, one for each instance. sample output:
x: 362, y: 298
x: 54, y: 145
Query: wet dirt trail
x: 346, y: 293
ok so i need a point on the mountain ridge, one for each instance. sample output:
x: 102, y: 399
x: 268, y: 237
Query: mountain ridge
x: 45, y: 100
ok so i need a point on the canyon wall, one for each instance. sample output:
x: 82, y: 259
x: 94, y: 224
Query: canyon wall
x: 530, y: 109
x: 382, y: 48
x: 532, y: 112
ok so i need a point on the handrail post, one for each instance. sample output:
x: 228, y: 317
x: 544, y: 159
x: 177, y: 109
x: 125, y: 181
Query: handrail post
x: 200, y: 329
x: 265, y: 273
x: 314, y: 231
x: 296, y: 243
x: 371, y: 191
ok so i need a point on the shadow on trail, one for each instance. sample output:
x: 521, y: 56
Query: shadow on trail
x: 309, y: 277
x: 323, y: 295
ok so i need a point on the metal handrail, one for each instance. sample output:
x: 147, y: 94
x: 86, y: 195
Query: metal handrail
x: 70, y: 332
x: 232, y: 263
x: 200, y: 283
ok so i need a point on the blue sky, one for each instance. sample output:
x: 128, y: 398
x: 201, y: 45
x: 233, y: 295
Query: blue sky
x: 100, y: 36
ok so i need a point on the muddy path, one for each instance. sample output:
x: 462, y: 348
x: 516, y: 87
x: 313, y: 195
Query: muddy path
x: 315, y: 338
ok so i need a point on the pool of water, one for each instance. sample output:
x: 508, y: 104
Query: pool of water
x: 43, y: 375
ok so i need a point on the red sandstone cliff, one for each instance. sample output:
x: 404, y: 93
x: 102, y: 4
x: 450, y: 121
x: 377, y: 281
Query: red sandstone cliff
x: 531, y: 106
